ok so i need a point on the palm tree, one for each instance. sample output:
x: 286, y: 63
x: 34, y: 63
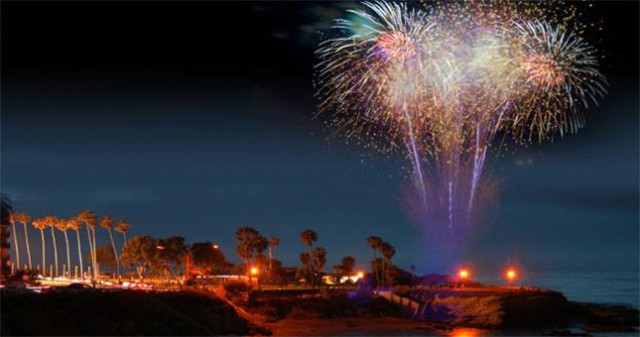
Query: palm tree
x: 247, y: 238
x: 90, y: 220
x: 74, y: 224
x: 319, y: 258
x: 107, y: 223
x: 24, y: 218
x: 388, y: 251
x: 123, y: 227
x: 308, y: 237
x: 51, y: 221
x: 63, y: 226
x: 12, y: 220
x: 273, y: 243
x: 375, y: 243
x: 40, y: 225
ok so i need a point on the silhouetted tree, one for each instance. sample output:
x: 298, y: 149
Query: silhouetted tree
x: 246, y: 238
x: 305, y: 259
x: 375, y: 243
x: 90, y: 220
x: 208, y: 258
x: 107, y: 222
x: 319, y: 259
x: 173, y: 252
x: 24, y: 218
x: 63, y: 226
x: 140, y: 252
x: 345, y: 267
x: 309, y: 237
x: 74, y: 225
x: 12, y: 220
x: 273, y: 243
x: 51, y: 221
x: 106, y: 257
x: 40, y: 225
x: 388, y: 251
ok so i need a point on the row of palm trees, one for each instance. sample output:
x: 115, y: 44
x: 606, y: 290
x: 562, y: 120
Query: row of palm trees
x: 381, y: 267
x: 86, y: 219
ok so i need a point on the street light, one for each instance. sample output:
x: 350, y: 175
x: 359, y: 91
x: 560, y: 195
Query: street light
x: 254, y: 271
x: 463, y: 273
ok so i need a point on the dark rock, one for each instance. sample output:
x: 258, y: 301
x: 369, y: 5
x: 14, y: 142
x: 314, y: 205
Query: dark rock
x: 492, y: 308
x: 123, y: 313
x: 608, y: 315
x: 608, y: 328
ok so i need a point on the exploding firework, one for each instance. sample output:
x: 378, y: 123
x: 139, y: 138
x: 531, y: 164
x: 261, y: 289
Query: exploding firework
x: 439, y: 83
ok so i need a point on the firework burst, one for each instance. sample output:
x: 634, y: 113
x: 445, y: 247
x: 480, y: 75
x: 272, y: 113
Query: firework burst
x: 440, y: 81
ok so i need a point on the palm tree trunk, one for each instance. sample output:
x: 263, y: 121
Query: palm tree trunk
x: 66, y: 239
x: 80, y: 253
x: 124, y: 243
x: 26, y: 240
x: 270, y: 258
x: 94, y: 256
x: 113, y: 244
x: 55, y: 249
x: 312, y: 274
x: 384, y: 272
x: 44, y: 253
x: 93, y: 267
x: 15, y: 240
x: 375, y: 267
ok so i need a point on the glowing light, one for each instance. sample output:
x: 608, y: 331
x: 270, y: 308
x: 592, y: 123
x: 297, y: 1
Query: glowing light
x: 465, y: 332
x: 254, y: 270
x: 215, y: 246
x: 511, y: 274
x: 360, y: 275
x: 463, y: 273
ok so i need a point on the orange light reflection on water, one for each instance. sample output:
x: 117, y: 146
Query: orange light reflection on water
x: 465, y: 332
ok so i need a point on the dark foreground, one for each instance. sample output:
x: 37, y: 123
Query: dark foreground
x: 319, y: 313
x: 122, y: 313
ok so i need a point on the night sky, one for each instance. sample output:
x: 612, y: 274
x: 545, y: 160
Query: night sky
x: 195, y: 118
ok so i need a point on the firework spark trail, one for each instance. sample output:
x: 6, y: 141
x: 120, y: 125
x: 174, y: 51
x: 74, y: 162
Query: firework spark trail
x: 417, y: 167
x: 446, y: 79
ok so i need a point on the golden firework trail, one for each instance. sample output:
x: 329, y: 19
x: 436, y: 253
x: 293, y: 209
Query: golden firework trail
x: 439, y: 81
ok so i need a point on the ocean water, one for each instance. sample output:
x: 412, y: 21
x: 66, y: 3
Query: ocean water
x: 621, y: 287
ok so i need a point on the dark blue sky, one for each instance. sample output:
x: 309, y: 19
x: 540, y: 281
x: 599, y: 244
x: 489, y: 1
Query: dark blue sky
x: 188, y: 122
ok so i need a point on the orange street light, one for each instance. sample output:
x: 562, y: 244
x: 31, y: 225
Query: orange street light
x: 463, y: 273
x: 215, y: 246
x: 511, y: 275
x: 360, y: 275
x: 254, y: 271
